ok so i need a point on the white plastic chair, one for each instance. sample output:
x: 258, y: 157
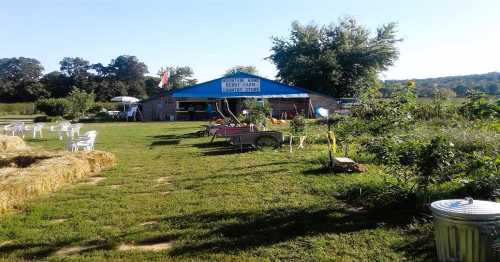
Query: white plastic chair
x: 61, y: 128
x: 36, y: 128
x: 74, y: 130
x: 17, y: 129
x: 86, y: 141
x: 7, y: 129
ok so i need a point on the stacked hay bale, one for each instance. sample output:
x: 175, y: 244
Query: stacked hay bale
x: 11, y: 143
x: 27, y: 173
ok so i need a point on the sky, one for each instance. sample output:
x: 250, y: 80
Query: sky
x: 440, y: 37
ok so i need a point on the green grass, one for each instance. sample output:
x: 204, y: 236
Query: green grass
x: 218, y: 204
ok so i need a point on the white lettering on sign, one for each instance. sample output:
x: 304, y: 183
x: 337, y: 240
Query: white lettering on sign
x: 243, y: 85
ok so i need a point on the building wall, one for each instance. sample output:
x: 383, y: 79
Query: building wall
x: 151, y: 112
x: 320, y: 100
x: 280, y: 105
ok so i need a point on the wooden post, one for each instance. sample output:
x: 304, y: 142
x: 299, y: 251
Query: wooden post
x: 217, y: 108
x: 231, y: 113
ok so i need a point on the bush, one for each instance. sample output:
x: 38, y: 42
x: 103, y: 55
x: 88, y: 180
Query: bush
x: 80, y: 102
x: 53, y: 106
x: 482, y: 179
x: 435, y: 162
x: 298, y: 124
x: 382, y: 194
x: 17, y: 108
x: 108, y: 106
x: 39, y: 119
x: 478, y: 106
x: 257, y: 112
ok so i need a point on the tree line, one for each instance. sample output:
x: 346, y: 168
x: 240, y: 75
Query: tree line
x: 452, y: 85
x: 22, y: 79
x: 342, y: 59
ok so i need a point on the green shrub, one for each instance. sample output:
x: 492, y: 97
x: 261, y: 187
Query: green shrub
x: 257, y: 112
x: 17, y: 108
x: 479, y: 106
x: 386, y: 193
x: 482, y: 179
x: 53, y: 106
x: 39, y: 119
x: 80, y: 102
x: 298, y: 124
x: 108, y: 106
x: 435, y: 162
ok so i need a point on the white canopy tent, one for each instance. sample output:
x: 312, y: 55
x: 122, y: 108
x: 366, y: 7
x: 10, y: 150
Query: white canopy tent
x: 125, y: 99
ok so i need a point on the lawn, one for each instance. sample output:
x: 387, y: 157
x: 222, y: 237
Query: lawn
x: 206, y: 202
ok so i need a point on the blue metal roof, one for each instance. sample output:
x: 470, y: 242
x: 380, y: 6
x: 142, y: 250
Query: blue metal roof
x: 241, y: 85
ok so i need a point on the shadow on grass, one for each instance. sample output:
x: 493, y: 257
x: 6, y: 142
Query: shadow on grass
x: 45, y: 250
x: 422, y: 246
x: 236, y: 231
x: 32, y: 251
x: 165, y: 140
x: 319, y: 171
x: 183, y: 136
x: 227, y: 151
x: 214, y: 145
x: 165, y: 143
x: 36, y: 140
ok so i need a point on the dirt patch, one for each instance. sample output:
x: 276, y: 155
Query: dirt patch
x: 149, y: 223
x: 163, y: 180
x: 72, y: 250
x: 145, y: 247
x: 58, y: 221
x: 6, y: 243
x: 94, y: 180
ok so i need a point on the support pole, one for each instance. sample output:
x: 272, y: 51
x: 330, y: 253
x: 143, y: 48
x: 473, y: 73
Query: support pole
x: 217, y: 108
x: 330, y: 146
x: 231, y: 113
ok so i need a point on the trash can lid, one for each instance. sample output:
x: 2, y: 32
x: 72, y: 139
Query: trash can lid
x: 467, y: 209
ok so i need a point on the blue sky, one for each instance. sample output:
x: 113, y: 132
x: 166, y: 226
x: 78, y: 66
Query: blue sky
x: 441, y: 37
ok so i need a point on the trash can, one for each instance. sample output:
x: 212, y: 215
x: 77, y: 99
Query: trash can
x: 467, y: 230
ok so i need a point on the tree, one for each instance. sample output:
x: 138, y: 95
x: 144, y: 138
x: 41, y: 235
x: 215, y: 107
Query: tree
x: 151, y: 85
x: 74, y: 67
x: 179, y: 76
x: 461, y: 90
x: 80, y: 102
x: 131, y: 71
x: 58, y: 84
x: 340, y: 60
x: 108, y: 88
x: 19, y: 79
x: 77, y: 72
x: 239, y: 68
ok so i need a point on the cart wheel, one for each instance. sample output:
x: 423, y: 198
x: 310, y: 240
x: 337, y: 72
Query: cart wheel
x: 266, y: 142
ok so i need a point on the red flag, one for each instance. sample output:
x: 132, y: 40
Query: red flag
x: 164, y: 79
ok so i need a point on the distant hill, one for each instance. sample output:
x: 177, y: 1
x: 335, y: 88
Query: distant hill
x: 487, y: 83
